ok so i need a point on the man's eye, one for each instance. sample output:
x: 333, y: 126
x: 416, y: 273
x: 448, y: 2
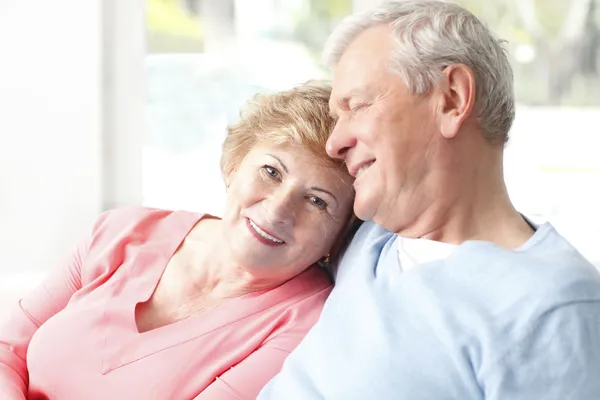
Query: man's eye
x: 317, y: 202
x: 357, y: 107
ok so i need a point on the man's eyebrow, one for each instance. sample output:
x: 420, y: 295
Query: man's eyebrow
x: 344, y: 101
x: 332, y: 107
x: 336, y: 104
x: 280, y: 162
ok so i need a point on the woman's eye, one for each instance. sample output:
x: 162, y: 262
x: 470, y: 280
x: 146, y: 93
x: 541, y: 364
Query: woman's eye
x: 317, y: 202
x: 272, y: 172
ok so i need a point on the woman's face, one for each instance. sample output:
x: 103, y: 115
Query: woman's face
x: 285, y: 210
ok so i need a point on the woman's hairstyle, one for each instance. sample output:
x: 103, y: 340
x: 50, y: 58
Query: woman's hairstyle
x: 298, y: 117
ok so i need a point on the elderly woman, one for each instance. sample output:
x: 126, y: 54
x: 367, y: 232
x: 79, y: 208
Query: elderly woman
x: 158, y: 304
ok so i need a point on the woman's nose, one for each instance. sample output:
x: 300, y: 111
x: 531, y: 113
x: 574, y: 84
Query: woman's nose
x: 281, y: 206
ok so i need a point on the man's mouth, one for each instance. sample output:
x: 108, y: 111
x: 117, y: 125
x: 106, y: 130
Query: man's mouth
x: 363, y: 169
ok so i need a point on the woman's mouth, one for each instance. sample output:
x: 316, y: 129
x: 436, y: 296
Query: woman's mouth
x: 262, y: 235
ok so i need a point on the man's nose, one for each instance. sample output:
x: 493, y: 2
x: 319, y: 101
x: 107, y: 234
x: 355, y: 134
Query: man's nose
x: 340, y: 141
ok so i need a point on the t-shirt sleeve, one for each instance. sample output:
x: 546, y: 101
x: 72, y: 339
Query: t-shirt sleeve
x: 559, y: 359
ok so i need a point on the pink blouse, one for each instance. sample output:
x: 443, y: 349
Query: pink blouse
x: 75, y: 337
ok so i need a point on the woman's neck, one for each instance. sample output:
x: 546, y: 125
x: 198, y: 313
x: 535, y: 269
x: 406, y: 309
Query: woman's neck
x: 210, y: 267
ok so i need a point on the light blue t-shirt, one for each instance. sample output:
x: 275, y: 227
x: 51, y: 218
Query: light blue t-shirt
x: 484, y: 323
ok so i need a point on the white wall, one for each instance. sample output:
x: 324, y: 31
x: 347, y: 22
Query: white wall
x: 124, y: 102
x: 67, y: 126
x: 50, y: 129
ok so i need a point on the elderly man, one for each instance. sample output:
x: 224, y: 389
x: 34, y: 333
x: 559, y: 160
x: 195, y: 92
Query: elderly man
x: 449, y: 292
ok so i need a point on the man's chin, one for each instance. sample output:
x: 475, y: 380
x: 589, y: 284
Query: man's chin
x: 364, y: 209
x: 367, y: 211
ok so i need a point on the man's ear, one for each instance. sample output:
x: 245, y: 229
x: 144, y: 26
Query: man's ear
x: 457, y: 90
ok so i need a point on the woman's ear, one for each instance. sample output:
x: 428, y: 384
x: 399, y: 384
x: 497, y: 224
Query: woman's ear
x: 228, y: 177
x: 345, y: 237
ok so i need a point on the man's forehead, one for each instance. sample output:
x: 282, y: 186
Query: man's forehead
x: 364, y: 59
x: 362, y: 80
x: 376, y: 40
x: 350, y: 76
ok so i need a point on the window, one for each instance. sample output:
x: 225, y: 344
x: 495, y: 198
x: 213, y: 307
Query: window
x: 207, y: 57
x: 205, y: 60
x: 552, y: 165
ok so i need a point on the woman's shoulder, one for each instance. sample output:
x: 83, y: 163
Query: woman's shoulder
x: 138, y: 222
x: 126, y: 216
x: 302, y: 298
x: 121, y: 233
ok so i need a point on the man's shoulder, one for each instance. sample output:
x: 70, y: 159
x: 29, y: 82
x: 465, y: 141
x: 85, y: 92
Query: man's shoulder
x: 547, y: 260
x: 369, y: 235
x: 550, y: 266
x: 514, y: 288
x: 365, y: 247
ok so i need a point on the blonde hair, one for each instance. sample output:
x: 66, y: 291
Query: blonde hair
x: 299, y: 116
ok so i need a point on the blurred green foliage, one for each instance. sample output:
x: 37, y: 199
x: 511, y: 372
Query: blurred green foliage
x: 563, y: 66
x: 564, y: 36
x: 171, y: 29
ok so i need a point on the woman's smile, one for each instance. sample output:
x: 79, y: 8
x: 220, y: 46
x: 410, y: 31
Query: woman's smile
x: 261, y: 235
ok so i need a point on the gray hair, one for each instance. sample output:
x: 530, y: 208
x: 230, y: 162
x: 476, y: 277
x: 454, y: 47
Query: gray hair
x: 430, y: 35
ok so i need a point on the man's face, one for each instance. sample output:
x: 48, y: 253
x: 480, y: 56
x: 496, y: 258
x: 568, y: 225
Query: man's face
x: 385, y: 134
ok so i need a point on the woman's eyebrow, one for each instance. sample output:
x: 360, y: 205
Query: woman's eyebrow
x: 315, y: 188
x: 318, y: 189
x: 280, y: 162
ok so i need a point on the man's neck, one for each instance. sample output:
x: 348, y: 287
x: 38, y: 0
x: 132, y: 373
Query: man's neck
x: 472, y: 204
x: 497, y: 223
